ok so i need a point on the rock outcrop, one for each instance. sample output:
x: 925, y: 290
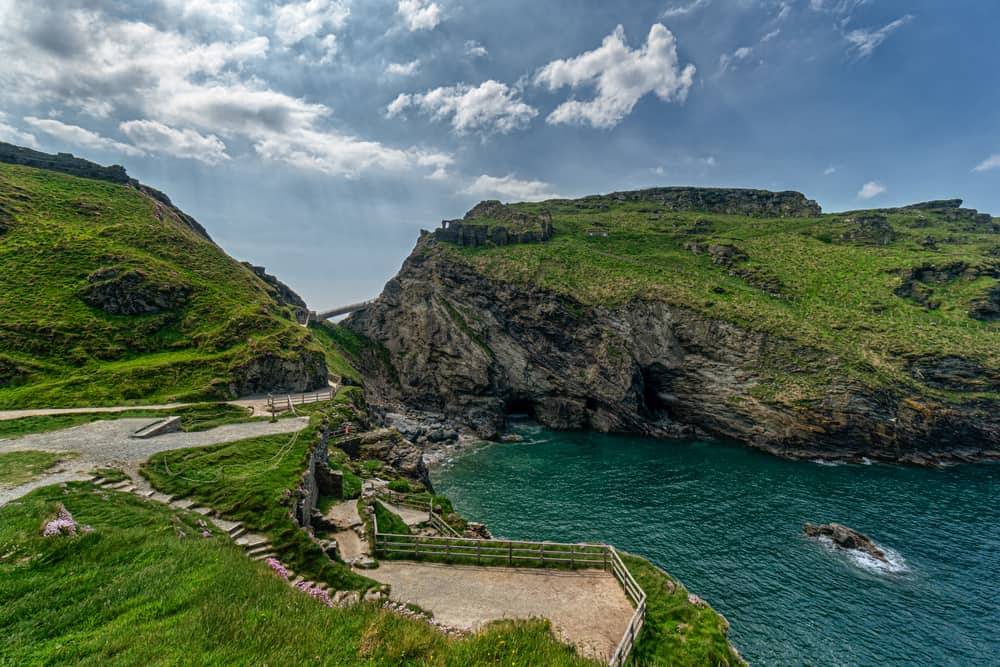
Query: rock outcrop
x: 729, y: 201
x: 292, y: 371
x: 475, y: 350
x: 844, y: 537
x: 282, y: 293
x: 493, y: 223
x: 131, y: 292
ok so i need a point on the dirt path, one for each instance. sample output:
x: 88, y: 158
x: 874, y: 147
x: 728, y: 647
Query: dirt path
x: 107, y: 444
x: 349, y: 543
x: 587, y: 608
x: 257, y: 403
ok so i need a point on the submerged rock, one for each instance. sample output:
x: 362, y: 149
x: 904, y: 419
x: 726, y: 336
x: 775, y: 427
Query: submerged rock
x: 844, y: 537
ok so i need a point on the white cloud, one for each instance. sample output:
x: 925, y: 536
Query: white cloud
x: 830, y: 171
x: 511, y: 189
x: 419, y: 14
x: 621, y: 76
x: 474, y: 49
x: 12, y: 135
x: 156, y: 137
x: 727, y: 61
x: 80, y: 136
x: 992, y: 162
x: 297, y: 21
x: 403, y: 69
x: 771, y: 35
x: 226, y: 15
x: 93, y: 59
x: 836, y: 6
x: 684, y: 9
x: 865, y: 41
x: 871, y: 189
x: 491, y: 106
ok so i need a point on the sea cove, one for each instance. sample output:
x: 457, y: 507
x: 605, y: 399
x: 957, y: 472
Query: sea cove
x: 727, y: 521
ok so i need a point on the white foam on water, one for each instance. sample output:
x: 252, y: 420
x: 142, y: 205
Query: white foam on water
x: 894, y: 562
x: 824, y: 462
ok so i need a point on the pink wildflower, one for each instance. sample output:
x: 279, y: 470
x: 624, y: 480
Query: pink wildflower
x: 62, y: 524
x: 206, y: 533
x: 279, y: 569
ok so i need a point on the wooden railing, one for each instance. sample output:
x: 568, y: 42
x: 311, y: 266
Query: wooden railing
x: 521, y: 553
x: 420, y: 504
x: 277, y: 403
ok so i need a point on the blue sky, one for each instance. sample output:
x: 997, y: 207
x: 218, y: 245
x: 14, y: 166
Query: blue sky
x: 317, y: 137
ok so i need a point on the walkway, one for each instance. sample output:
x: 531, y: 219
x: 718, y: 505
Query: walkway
x: 587, y: 608
x: 107, y: 444
x: 350, y: 546
x: 258, y: 403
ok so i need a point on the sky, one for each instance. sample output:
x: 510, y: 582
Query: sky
x: 317, y: 137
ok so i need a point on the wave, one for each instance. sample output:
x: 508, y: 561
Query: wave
x: 894, y: 562
x: 824, y: 462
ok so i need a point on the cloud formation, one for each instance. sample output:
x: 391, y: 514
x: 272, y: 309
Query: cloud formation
x: 419, y: 14
x: 992, y: 162
x: 193, y: 91
x: 864, y: 41
x: 156, y: 137
x: 474, y: 49
x: 727, y: 61
x: 510, y: 188
x: 620, y: 75
x: 870, y: 190
x: 684, y: 9
x: 297, y: 21
x: 491, y: 106
x: 79, y: 136
x: 403, y: 69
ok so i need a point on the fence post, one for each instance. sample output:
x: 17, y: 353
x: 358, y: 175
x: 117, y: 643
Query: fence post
x: 510, y: 554
x: 572, y: 555
x: 479, y: 546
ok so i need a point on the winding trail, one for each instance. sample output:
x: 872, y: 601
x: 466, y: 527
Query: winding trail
x: 108, y: 444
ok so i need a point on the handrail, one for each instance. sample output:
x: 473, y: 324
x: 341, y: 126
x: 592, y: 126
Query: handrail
x: 454, y: 548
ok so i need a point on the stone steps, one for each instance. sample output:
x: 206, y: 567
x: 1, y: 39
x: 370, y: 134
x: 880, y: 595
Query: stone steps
x: 257, y: 547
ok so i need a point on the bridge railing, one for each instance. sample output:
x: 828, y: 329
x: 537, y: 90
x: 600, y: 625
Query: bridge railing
x: 522, y: 553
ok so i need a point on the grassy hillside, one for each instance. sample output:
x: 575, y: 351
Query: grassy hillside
x: 133, y: 591
x: 109, y: 297
x: 881, y: 289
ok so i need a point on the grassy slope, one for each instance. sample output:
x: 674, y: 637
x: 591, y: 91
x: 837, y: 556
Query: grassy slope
x: 16, y: 468
x: 677, y: 632
x: 251, y: 481
x: 836, y: 295
x: 56, y: 350
x: 133, y: 593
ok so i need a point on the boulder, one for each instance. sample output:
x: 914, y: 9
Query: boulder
x: 844, y: 537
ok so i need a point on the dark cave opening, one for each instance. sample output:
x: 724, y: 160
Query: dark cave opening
x: 520, y: 408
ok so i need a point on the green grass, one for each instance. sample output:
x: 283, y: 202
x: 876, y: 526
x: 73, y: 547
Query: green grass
x: 195, y: 417
x: 342, y: 348
x: 677, y: 632
x: 59, y: 351
x: 388, y: 521
x: 252, y: 481
x: 132, y: 592
x: 18, y: 468
x: 835, y: 296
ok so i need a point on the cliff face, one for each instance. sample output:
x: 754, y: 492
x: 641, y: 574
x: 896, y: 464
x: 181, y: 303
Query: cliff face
x: 475, y: 349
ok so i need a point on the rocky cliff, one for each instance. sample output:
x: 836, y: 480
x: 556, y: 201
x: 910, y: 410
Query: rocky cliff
x: 475, y: 347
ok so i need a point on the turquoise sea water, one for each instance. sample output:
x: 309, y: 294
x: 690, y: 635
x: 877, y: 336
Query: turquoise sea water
x: 727, y: 521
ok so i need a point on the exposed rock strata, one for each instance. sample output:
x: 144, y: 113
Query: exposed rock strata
x: 475, y: 350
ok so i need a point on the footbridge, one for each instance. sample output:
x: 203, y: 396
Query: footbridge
x: 319, y: 316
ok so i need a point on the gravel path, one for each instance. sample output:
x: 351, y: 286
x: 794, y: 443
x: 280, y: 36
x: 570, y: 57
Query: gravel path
x: 107, y: 444
x: 587, y: 608
x: 349, y: 544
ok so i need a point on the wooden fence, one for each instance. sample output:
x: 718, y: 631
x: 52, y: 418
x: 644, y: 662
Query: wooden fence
x: 420, y: 504
x: 278, y: 404
x: 521, y: 553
